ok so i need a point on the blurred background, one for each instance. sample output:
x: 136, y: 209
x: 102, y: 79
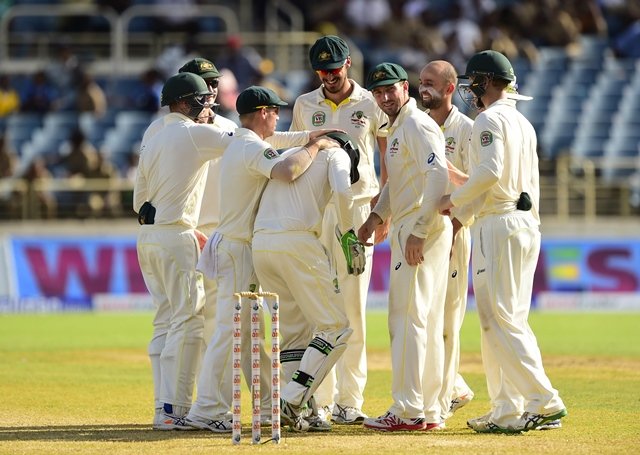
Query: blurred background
x: 80, y: 82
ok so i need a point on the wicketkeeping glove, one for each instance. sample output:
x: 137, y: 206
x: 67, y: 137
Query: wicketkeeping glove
x: 353, y: 251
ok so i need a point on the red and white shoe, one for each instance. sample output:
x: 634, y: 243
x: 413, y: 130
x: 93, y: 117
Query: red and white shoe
x: 391, y: 422
x: 436, y: 426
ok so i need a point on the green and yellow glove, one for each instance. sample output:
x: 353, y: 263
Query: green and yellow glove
x: 353, y: 251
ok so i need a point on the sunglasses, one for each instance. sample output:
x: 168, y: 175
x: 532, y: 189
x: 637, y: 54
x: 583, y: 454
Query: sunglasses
x: 213, y: 83
x: 333, y: 72
x: 274, y: 108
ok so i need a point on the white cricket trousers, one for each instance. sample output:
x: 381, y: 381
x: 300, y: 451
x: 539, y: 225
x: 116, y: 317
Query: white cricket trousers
x: 416, y: 308
x: 234, y: 274
x: 346, y: 382
x: 505, y: 255
x: 296, y: 266
x: 168, y: 257
x: 453, y: 384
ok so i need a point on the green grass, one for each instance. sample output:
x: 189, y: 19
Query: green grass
x: 81, y: 384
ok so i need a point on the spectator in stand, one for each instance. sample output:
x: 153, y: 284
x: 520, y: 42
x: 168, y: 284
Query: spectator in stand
x: 61, y: 71
x: 39, y: 95
x: 9, y: 203
x: 77, y: 158
x: 90, y: 96
x: 8, y: 158
x: 45, y: 203
x: 148, y: 99
x: 9, y: 98
x: 243, y: 61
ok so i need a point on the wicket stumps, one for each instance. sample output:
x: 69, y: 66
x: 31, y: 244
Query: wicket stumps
x: 256, y: 302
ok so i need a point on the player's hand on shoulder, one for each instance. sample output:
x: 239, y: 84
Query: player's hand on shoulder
x: 317, y: 133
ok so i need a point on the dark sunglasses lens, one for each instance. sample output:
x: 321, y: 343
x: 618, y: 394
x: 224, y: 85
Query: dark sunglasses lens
x: 213, y: 83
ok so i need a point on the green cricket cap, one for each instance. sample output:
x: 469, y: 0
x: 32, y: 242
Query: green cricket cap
x: 385, y: 74
x: 328, y: 53
x: 202, y: 67
x: 254, y: 98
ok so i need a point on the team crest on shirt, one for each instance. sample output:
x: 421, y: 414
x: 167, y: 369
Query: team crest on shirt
x: 270, y: 154
x: 394, y: 147
x: 486, y: 138
x: 449, y: 146
x: 253, y: 287
x: 358, y: 119
x: 318, y: 118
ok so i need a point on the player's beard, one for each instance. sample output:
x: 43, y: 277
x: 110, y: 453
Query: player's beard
x: 336, y: 86
x: 435, y: 99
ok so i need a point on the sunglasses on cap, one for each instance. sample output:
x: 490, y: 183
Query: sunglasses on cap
x: 269, y: 106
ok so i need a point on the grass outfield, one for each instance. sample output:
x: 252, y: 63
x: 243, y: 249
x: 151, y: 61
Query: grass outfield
x: 81, y: 384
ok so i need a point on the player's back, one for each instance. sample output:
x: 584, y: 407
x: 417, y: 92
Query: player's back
x: 300, y: 205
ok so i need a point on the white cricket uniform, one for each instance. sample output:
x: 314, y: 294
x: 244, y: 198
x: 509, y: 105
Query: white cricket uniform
x: 457, y: 133
x: 171, y: 175
x: 290, y: 260
x: 360, y: 116
x: 207, y: 223
x: 244, y: 172
x: 418, y: 178
x: 506, y: 245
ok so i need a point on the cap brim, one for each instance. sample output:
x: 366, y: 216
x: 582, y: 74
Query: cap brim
x: 385, y: 82
x: 330, y: 65
x: 210, y: 75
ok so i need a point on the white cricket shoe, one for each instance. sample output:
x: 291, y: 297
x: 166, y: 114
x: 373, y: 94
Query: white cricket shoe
x: 347, y: 415
x: 290, y: 415
x: 459, y: 402
x: 167, y: 422
x: 217, y: 426
x: 391, y: 422
x: 473, y: 422
x: 318, y: 424
x: 551, y: 425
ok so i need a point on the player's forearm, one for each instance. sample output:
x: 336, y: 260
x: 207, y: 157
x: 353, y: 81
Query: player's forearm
x: 479, y: 182
x: 344, y: 205
x: 296, y: 164
x: 383, y: 206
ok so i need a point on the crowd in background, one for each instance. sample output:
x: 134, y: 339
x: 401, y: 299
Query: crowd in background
x: 407, y: 32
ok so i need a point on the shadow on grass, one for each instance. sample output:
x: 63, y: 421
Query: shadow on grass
x: 138, y: 432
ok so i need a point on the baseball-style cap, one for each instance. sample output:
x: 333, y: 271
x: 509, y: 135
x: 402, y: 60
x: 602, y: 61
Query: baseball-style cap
x: 328, y: 53
x: 385, y: 74
x: 254, y: 98
x: 202, y: 67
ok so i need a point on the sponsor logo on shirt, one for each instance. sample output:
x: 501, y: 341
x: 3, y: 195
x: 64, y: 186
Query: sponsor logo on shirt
x: 454, y: 274
x: 270, y: 154
x: 398, y: 265
x: 431, y: 158
x: 449, y: 146
x: 358, y: 119
x: 486, y: 138
x: 318, y: 118
x: 395, y: 146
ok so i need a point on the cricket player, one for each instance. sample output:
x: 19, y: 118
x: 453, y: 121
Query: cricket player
x: 209, y: 211
x: 438, y: 81
x: 503, y: 187
x: 169, y: 187
x: 245, y: 168
x: 290, y: 260
x: 340, y: 102
x: 420, y: 247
